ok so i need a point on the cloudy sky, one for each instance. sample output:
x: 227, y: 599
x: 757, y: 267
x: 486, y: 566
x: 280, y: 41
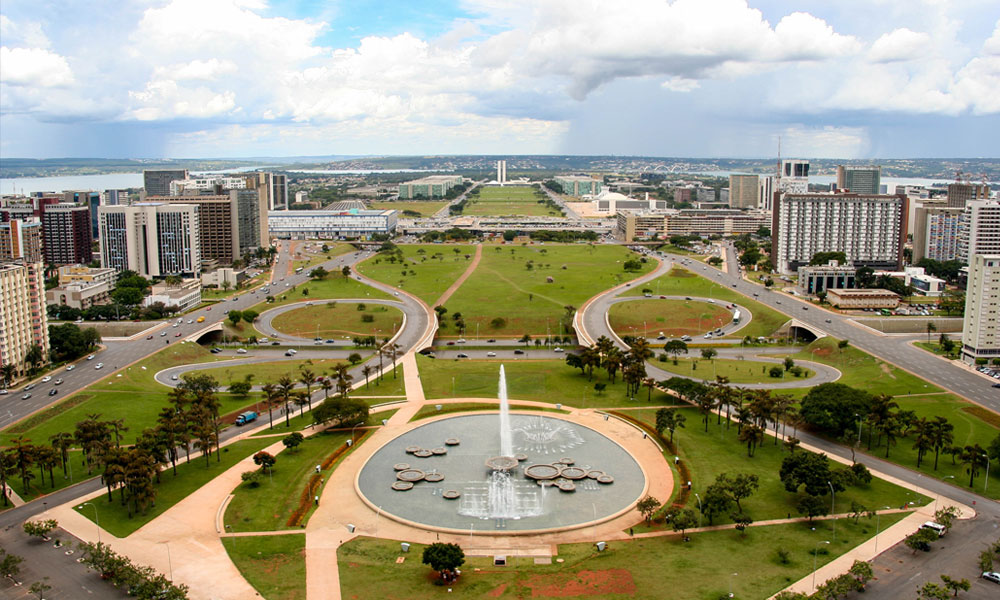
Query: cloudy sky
x: 712, y: 78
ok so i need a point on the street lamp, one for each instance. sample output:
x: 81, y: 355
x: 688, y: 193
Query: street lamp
x: 877, y: 515
x: 353, y: 429
x: 833, y: 509
x: 858, y: 417
x: 986, y: 481
x: 96, y: 519
x: 815, y: 554
x: 731, y: 584
x: 697, y: 497
x: 170, y: 564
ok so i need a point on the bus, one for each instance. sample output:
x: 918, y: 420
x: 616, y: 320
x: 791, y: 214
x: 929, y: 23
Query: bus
x: 298, y: 270
x: 736, y: 317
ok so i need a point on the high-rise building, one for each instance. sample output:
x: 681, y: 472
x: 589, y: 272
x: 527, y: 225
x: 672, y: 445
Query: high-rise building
x: 936, y: 233
x: 981, y: 331
x: 766, y: 194
x: 229, y: 223
x: 23, y: 319
x: 961, y: 193
x: 869, y: 229
x: 114, y: 197
x: 66, y: 228
x: 21, y: 240
x: 859, y: 180
x: 793, y: 176
x: 979, y: 231
x: 91, y: 200
x: 744, y: 191
x: 501, y: 172
x: 157, y: 182
x: 151, y: 238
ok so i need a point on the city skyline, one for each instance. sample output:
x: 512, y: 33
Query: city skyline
x: 237, y: 78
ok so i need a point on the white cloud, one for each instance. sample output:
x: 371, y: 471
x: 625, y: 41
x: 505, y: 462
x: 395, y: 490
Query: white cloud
x: 206, y: 70
x: 899, y: 44
x: 24, y: 33
x: 680, y: 84
x: 33, y: 67
x: 824, y: 142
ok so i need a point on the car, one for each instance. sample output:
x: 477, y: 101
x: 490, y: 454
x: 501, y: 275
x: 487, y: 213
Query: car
x: 264, y: 340
x: 708, y: 335
x: 805, y: 308
x: 518, y: 351
x: 149, y: 337
x: 215, y: 350
x: 756, y: 295
x: 663, y: 297
x: 30, y: 386
x: 317, y: 339
x: 996, y: 385
x: 164, y: 333
x: 234, y: 299
x: 557, y: 349
x: 461, y: 355
x: 178, y: 334
x: 451, y: 343
x: 331, y: 341
x: 174, y: 325
x: 173, y: 378
x: 275, y: 343
x: 201, y: 319
x: 241, y: 351
x: 710, y: 301
x: 777, y: 301
x: 293, y: 350
x: 829, y: 321
x: 734, y: 285
x: 53, y: 392
x: 207, y: 309
x: 25, y: 397
x: 91, y: 357
x: 991, y: 576
x: 687, y: 297
x: 318, y: 343
x: 46, y: 379
x: 286, y: 285
x: 71, y: 367
x: 289, y: 353
x: 460, y: 341
x: 491, y: 341
x: 395, y: 293
x: 57, y: 382
x: 99, y: 366
x: 491, y: 354
x: 190, y: 321
x: 4, y: 392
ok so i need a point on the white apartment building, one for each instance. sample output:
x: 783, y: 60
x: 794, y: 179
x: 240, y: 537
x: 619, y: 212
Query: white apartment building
x: 979, y: 231
x: 793, y: 176
x: 23, y: 319
x: 869, y: 229
x: 152, y: 239
x: 329, y: 224
x: 981, y: 333
x: 936, y: 233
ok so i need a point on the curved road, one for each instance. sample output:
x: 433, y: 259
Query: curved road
x: 264, y: 323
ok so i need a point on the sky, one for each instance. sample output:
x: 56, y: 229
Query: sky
x: 698, y: 78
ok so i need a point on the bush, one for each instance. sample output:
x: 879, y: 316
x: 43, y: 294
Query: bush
x: 367, y: 318
x: 776, y: 371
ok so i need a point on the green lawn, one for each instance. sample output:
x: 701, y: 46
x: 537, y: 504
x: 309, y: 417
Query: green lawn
x: 269, y: 372
x: 340, y: 319
x: 738, y: 371
x: 504, y: 287
x: 503, y: 201
x: 427, y: 271
x: 171, y: 490
x: 431, y: 410
x: 672, y: 318
x: 268, y: 506
x: 718, y: 451
x: 542, y: 380
x: 681, y: 282
x: 935, y: 348
x: 334, y: 285
x: 275, y: 565
x: 426, y: 209
x: 303, y: 421
x: 862, y: 370
x: 650, y: 568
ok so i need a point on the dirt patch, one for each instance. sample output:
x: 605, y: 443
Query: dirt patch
x: 497, y: 591
x: 678, y: 272
x: 583, y: 583
x: 886, y: 369
x: 981, y: 413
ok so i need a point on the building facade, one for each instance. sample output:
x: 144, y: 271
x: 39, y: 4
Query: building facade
x: 24, y: 321
x: 744, y: 191
x: 434, y: 186
x: 183, y: 296
x: 328, y: 224
x: 959, y: 194
x: 861, y: 299
x: 936, y: 233
x: 981, y: 332
x: 859, y: 180
x: 152, y: 239
x: 228, y: 223
x: 21, y: 240
x: 578, y: 185
x: 793, y: 176
x: 631, y: 225
x: 979, y: 229
x: 157, y: 182
x: 819, y: 278
x: 869, y: 229
x: 68, y: 233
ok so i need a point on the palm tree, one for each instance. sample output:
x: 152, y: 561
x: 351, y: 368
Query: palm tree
x: 525, y: 339
x: 752, y: 435
x: 366, y: 371
x: 942, y: 436
x: 973, y: 457
x: 46, y: 457
x: 285, y: 385
x: 307, y: 378
x: 880, y: 411
x: 271, y: 395
x: 344, y: 379
x: 650, y: 383
x: 7, y: 372
x: 924, y: 440
x: 62, y: 441
x: 327, y: 385
x: 931, y: 327
x: 669, y: 419
x: 24, y: 458
x: 8, y: 466
x: 705, y: 405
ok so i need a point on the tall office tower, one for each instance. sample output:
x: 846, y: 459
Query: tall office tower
x: 981, y: 332
x: 859, y: 180
x: 979, y: 231
x: 961, y: 193
x: 23, y: 320
x: 229, y: 223
x: 793, y: 176
x: 21, y: 240
x: 766, y: 193
x: 501, y: 172
x: 870, y: 229
x: 744, y: 191
x: 114, y: 197
x: 68, y: 234
x: 151, y: 238
x: 936, y: 233
x: 157, y: 182
x: 88, y: 198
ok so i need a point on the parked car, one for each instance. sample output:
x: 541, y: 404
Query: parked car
x: 991, y: 576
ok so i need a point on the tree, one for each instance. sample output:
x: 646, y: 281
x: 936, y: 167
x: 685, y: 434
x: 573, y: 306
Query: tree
x: 812, y: 506
x: 10, y: 564
x: 127, y: 296
x: 264, y: 460
x: 34, y: 356
x: 292, y: 440
x: 683, y: 520
x: 942, y: 436
x: 675, y: 348
x: 320, y: 273
x: 822, y: 258
x: 833, y: 407
x: 346, y: 271
x: 973, y: 457
x: 740, y: 486
x: 234, y: 317
x: 647, y: 506
x: 921, y: 540
x: 354, y: 358
x: 443, y: 558
x: 240, y: 388
x: 862, y: 572
x: 716, y: 500
x: 956, y: 585
x: 808, y: 470
x: 250, y: 315
x: 931, y: 327
x: 668, y: 419
x: 39, y: 588
x: 40, y: 529
x: 709, y: 353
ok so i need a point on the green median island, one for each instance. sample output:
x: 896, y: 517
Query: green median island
x: 411, y: 209
x: 534, y: 289
x: 654, y: 317
x: 736, y: 371
x: 340, y: 319
x: 332, y: 286
x: 275, y: 565
x: 509, y: 201
x: 424, y: 270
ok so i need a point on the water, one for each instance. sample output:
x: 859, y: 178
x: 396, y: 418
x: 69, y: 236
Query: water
x: 107, y: 181
x: 506, y: 435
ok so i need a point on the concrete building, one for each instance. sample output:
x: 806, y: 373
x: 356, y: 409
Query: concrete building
x: 229, y: 223
x: 832, y: 276
x: 793, y: 176
x: 981, y: 331
x: 869, y: 229
x: 860, y: 299
x: 151, y: 238
x: 705, y: 194
x: 979, y: 230
x: 632, y: 224
x: 578, y: 185
x: 959, y: 194
x: 217, y: 277
x: 84, y: 274
x: 434, y: 186
x: 21, y: 240
x: 859, y: 180
x: 328, y: 224
x: 936, y: 232
x: 66, y: 227
x: 609, y: 203
x: 744, y: 191
x: 922, y: 283
x: 501, y: 172
x: 88, y: 198
x: 115, y: 197
x: 766, y: 194
x: 24, y: 321
x: 79, y: 294
x: 157, y: 182
x: 185, y: 295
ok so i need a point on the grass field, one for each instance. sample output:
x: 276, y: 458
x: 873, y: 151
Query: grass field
x: 542, y: 380
x: 334, y: 286
x: 738, y: 371
x: 502, y: 201
x: 672, y: 318
x: 275, y: 565
x: 340, y: 319
x: 269, y: 372
x: 426, y: 209
x: 650, y: 568
x: 511, y: 283
x: 190, y: 476
x: 268, y: 506
x: 935, y: 348
x: 681, y: 282
x: 428, y: 270
x: 303, y: 421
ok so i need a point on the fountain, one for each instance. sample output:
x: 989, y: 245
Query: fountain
x: 506, y: 460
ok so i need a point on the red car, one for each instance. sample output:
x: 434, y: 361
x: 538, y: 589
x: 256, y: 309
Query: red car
x: 149, y: 337
x: 178, y: 334
x: 209, y: 308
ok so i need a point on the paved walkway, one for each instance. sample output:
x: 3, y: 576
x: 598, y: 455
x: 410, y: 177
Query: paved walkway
x: 461, y: 279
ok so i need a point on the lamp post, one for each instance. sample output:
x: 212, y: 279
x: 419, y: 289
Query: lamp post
x: 877, y: 515
x: 170, y: 564
x: 731, y: 584
x: 354, y: 428
x: 986, y: 482
x: 97, y: 519
x: 697, y: 497
x: 833, y: 508
x: 815, y: 554
x: 859, y: 428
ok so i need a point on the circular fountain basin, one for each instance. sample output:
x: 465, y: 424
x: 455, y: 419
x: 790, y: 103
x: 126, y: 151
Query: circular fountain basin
x: 544, y: 500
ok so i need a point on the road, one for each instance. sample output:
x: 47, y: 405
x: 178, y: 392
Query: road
x: 444, y: 212
x: 569, y: 212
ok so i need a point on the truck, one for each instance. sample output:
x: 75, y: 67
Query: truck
x: 247, y: 417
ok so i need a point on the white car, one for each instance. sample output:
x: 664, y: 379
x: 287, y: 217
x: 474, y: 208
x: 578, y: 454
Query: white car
x: 46, y: 379
x: 71, y: 367
x: 190, y: 321
x: 491, y: 354
x: 99, y: 366
x: 91, y: 357
x: 241, y: 351
x: 557, y: 349
x: 3, y: 392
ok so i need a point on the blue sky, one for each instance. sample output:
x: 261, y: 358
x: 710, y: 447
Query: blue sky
x: 232, y: 78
